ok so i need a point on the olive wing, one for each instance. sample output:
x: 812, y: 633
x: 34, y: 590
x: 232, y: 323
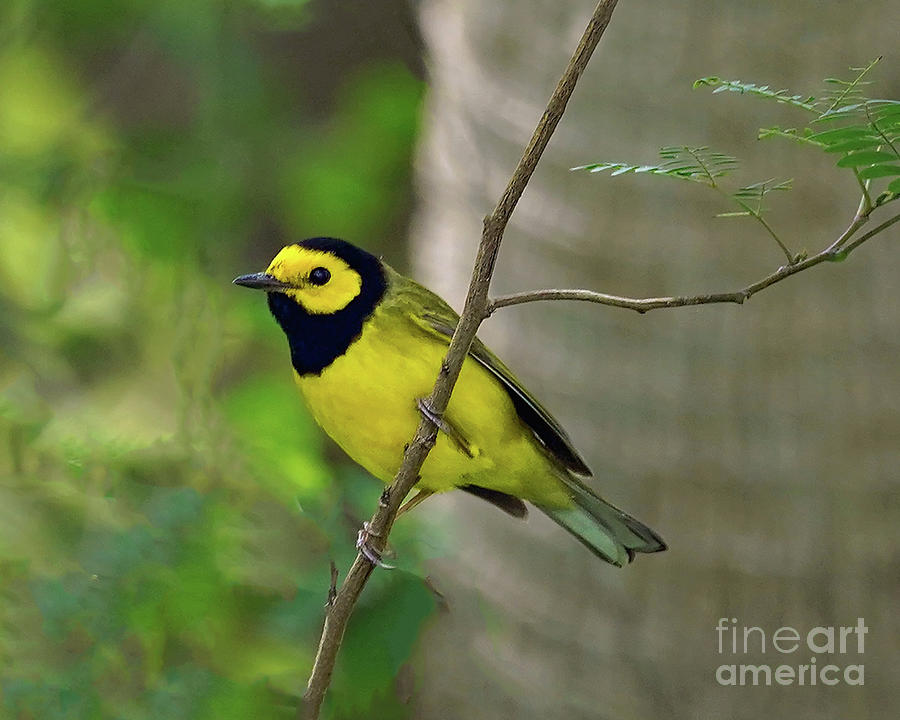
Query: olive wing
x: 432, y: 314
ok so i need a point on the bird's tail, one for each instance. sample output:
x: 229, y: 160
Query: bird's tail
x: 610, y: 533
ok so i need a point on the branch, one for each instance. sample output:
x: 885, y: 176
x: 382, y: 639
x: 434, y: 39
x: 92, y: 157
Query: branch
x: 837, y: 251
x: 339, y: 611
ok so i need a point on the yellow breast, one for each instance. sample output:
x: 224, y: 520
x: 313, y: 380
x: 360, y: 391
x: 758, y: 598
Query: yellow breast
x: 366, y: 401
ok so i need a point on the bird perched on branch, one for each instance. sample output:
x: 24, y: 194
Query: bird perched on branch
x: 367, y: 344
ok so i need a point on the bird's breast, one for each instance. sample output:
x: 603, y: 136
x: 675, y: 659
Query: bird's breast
x: 366, y: 402
x: 366, y: 399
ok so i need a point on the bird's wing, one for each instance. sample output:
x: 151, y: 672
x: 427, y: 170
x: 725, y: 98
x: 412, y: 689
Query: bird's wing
x: 432, y: 314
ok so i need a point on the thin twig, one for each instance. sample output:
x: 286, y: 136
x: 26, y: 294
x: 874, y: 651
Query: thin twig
x: 338, y: 613
x: 865, y: 202
x: 791, y: 258
x: 851, y: 246
x: 838, y: 250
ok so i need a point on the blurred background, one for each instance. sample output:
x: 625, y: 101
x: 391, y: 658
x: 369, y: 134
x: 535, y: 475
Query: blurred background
x: 168, y: 512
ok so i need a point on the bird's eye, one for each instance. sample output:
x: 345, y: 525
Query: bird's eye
x: 319, y: 276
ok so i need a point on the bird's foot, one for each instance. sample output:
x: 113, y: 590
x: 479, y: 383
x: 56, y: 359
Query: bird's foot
x: 373, y: 555
x: 413, y: 501
x: 445, y: 427
x: 425, y: 409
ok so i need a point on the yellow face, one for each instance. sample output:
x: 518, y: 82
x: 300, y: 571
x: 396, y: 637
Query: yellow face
x: 319, y: 281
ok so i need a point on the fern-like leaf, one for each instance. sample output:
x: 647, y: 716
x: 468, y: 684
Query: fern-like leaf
x: 884, y: 117
x: 704, y: 166
x: 805, y: 102
x: 697, y: 164
x: 863, y: 133
x: 802, y: 135
x: 751, y: 197
x: 867, y: 137
x: 847, y: 93
x: 757, y: 191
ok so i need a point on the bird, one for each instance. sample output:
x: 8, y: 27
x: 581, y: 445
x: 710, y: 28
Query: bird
x: 366, y: 344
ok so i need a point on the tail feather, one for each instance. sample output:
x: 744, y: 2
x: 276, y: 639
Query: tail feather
x: 610, y: 533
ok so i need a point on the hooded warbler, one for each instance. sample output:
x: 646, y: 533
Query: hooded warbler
x: 366, y: 344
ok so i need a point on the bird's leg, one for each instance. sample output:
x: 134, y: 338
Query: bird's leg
x: 445, y: 427
x: 414, y: 500
x: 373, y: 555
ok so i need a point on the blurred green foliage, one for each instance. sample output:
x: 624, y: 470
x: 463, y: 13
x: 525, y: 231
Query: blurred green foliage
x: 167, y: 509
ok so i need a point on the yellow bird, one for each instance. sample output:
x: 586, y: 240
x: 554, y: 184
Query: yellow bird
x: 366, y: 345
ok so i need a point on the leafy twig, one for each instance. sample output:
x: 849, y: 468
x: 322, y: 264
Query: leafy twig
x: 865, y: 202
x: 757, y: 214
x: 838, y: 250
x: 881, y: 133
x: 804, y: 102
x: 849, y: 87
x: 702, y: 165
x: 338, y: 613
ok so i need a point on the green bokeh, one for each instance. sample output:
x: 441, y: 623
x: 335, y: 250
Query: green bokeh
x: 168, y: 510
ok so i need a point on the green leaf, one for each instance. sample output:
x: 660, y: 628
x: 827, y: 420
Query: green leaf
x: 852, y: 110
x: 766, y: 186
x: 890, y: 125
x: 866, y: 157
x: 862, y: 143
x: 841, y: 134
x: 850, y: 90
x: 885, y: 113
x: 698, y: 164
x: 879, y: 171
x: 805, y: 102
x: 750, y: 197
x: 894, y: 186
x: 802, y: 136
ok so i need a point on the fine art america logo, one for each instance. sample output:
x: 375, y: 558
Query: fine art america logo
x: 823, y: 655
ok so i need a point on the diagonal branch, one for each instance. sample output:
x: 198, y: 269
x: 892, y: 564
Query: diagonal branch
x: 838, y: 250
x: 339, y: 610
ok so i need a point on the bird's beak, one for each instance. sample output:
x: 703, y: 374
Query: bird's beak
x: 261, y: 281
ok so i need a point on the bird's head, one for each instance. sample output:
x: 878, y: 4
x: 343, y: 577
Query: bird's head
x: 321, y: 291
x: 322, y: 275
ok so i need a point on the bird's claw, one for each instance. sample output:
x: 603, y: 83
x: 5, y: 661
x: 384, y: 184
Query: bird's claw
x: 426, y: 410
x: 366, y: 550
x: 444, y: 426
